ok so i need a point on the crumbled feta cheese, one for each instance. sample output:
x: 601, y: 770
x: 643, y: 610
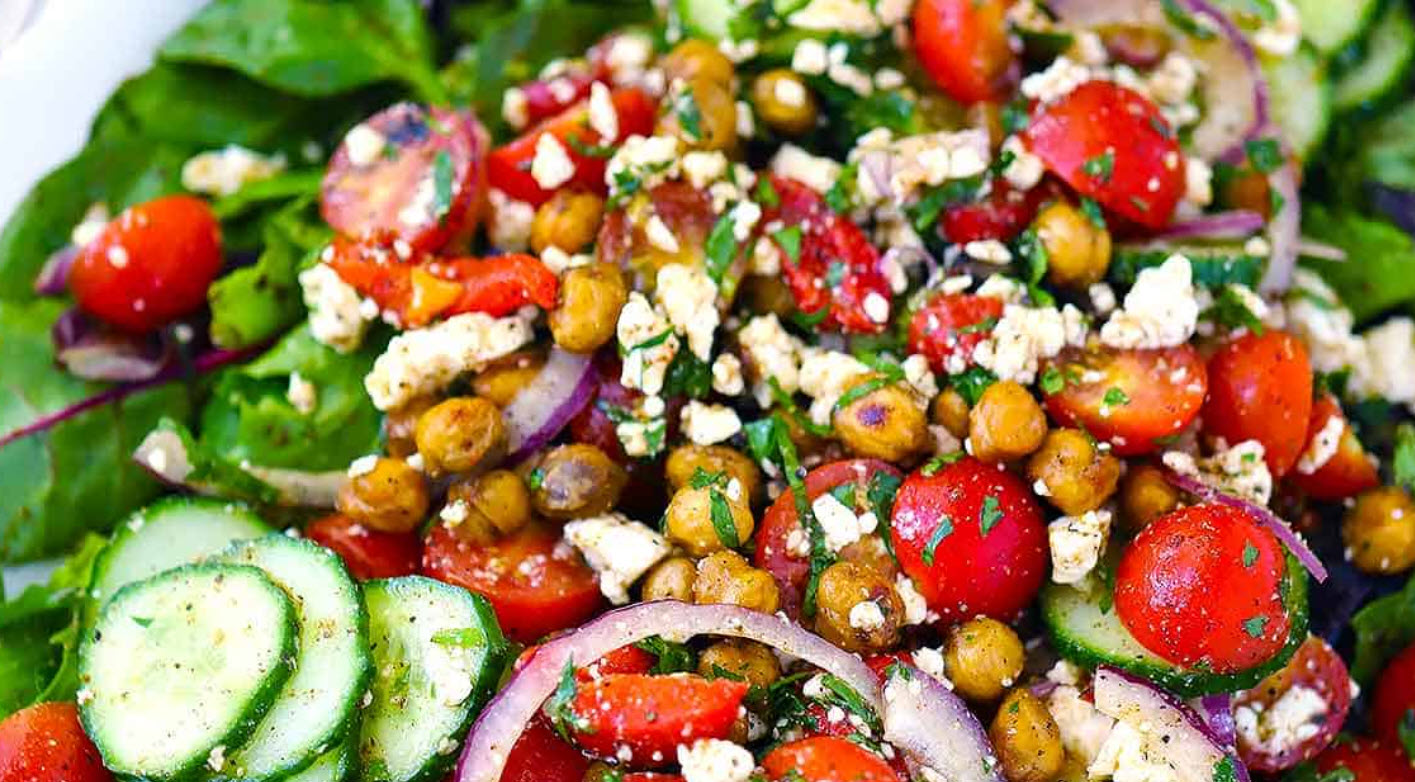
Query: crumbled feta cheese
x: 1296, y: 716
x: 810, y: 57
x: 876, y: 307
x: 302, y: 394
x: 648, y: 344
x: 746, y: 120
x: 1026, y: 170
x: 649, y: 160
x: 628, y: 56
x: 866, y: 615
x: 689, y: 298
x: 825, y: 376
x: 216, y: 759
x: 895, y: 170
x: 604, y: 117
x: 661, y: 236
x: 1385, y: 369
x: 1198, y: 182
x: 739, y: 51
x: 715, y: 760
x: 1174, y: 79
x: 889, y: 79
x: 704, y: 168
x: 337, y: 316
x: 1076, y: 544
x: 727, y: 375
x: 988, y: 251
x: 618, y: 549
x: 515, y: 108
x: 766, y: 258
x: 364, y: 145
x: 1083, y: 727
x: 552, y: 166
x: 450, y: 668
x: 771, y: 353
x: 744, y: 218
x: 1160, y: 311
x: 1239, y: 470
x: 1323, y: 447
x: 707, y: 424
x: 1021, y: 340
x: 851, y: 17
x: 223, y: 171
x: 1126, y: 757
x: 817, y: 173
x: 84, y: 696
x: 93, y: 222
x: 509, y: 226
x: 454, y: 513
x: 1057, y: 81
x: 1000, y: 286
x: 558, y: 261
x: 916, y: 608
x: 423, y: 361
x: 840, y: 524
x: 421, y: 208
x: 1315, y: 315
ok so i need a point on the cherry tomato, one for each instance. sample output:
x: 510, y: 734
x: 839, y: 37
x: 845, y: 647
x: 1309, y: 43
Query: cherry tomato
x: 1260, y: 388
x: 535, y: 585
x: 425, y: 185
x: 1002, y: 215
x: 367, y: 553
x: 1393, y: 705
x: 826, y: 759
x: 545, y: 98
x: 973, y: 539
x: 1132, y: 399
x: 1317, y: 667
x: 652, y: 715
x: 1369, y: 760
x: 650, y: 776
x: 45, y: 743
x: 150, y: 265
x: 964, y: 47
x: 686, y: 211
x: 1349, y: 471
x: 509, y: 167
x: 949, y: 326
x: 773, y: 554
x: 540, y: 755
x: 1165, y: 595
x: 1112, y: 144
x: 625, y: 659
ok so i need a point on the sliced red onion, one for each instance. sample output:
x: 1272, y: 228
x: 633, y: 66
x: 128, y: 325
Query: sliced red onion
x: 1311, y: 248
x: 94, y: 351
x: 53, y: 277
x: 878, y: 166
x: 1217, y: 712
x: 1170, y: 729
x: 164, y: 454
x: 936, y: 729
x: 1284, y: 230
x: 540, y: 410
x: 1235, y: 90
x: 1237, y: 224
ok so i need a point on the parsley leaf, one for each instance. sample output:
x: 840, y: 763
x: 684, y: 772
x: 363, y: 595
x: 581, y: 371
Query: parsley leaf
x: 789, y: 240
x: 1265, y: 154
x: 1250, y: 554
x: 1255, y: 625
x: 990, y: 514
x: 1184, y: 21
x: 1115, y: 397
x: 943, y: 530
x: 558, y: 708
x: 442, y: 184
x: 721, y: 248
x: 672, y: 657
x: 1101, y: 167
x: 722, y: 521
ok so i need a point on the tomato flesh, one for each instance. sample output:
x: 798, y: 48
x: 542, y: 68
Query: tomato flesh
x: 1317, y: 667
x: 1393, y: 705
x: 826, y: 759
x: 367, y: 553
x: 653, y: 715
x: 1349, y: 471
x: 45, y: 743
x: 1368, y: 760
x: 1260, y: 388
x: 964, y: 47
x: 540, y: 755
x: 685, y: 210
x: 1132, y: 399
x: 1002, y: 215
x: 949, y: 326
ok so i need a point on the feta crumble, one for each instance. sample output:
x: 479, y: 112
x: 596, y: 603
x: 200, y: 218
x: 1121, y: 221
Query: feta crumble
x: 223, y: 171
x: 337, y: 315
x: 1160, y: 311
x: 618, y: 549
x: 708, y: 424
x: 551, y: 167
x: 1076, y: 544
x: 424, y: 361
x: 648, y: 343
x: 715, y: 760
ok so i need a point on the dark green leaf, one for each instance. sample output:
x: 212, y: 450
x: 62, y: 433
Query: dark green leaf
x: 672, y: 657
x: 1383, y: 627
x: 990, y: 514
x: 256, y: 303
x: 722, y: 521
x: 1376, y: 275
x: 1402, y: 464
x: 943, y: 530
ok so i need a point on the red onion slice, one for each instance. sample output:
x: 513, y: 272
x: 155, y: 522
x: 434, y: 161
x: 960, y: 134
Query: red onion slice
x: 1311, y: 248
x: 1284, y: 230
x: 936, y: 729
x: 1237, y: 224
x: 540, y: 410
x: 53, y: 277
x: 95, y: 351
x: 1217, y: 712
x: 1235, y: 90
x: 1171, y: 730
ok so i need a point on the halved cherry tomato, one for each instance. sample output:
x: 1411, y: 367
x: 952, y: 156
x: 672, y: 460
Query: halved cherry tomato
x: 1260, y: 388
x: 367, y: 553
x: 535, y: 585
x: 425, y: 186
x: 545, y: 98
x: 45, y: 743
x: 540, y: 755
x: 949, y: 326
x: 685, y: 210
x: 1112, y: 144
x: 1317, y: 667
x: 1393, y: 707
x: 1368, y: 759
x: 150, y: 265
x: 625, y: 659
x: 652, y: 715
x: 826, y: 759
x: 972, y: 537
x: 1002, y: 214
x: 1132, y: 399
x: 1165, y: 589
x: 964, y: 46
x: 1349, y: 471
x: 509, y: 167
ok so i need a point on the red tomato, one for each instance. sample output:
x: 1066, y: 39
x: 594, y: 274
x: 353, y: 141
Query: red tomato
x: 1317, y: 667
x: 1393, y: 704
x: 949, y: 326
x: 535, y: 585
x: 1369, y: 760
x: 150, y: 265
x: 826, y: 759
x: 367, y: 553
x: 791, y: 571
x: 973, y: 539
x: 540, y: 755
x: 1112, y: 144
x: 652, y: 715
x: 1349, y: 471
x: 1260, y: 388
x: 545, y: 98
x: 1002, y: 215
x: 686, y: 211
x: 625, y: 659
x: 1132, y: 399
x: 1165, y: 595
x: 45, y: 743
x: 509, y: 167
x: 649, y: 776
x: 964, y: 47
x: 425, y: 186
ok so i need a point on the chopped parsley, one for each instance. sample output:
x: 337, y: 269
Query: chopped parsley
x: 535, y: 478
x: 1254, y: 626
x: 766, y: 193
x: 721, y: 248
x: 558, y: 709
x: 703, y: 479
x: 1052, y: 381
x: 789, y: 240
x: 690, y: 117
x: 971, y: 383
x: 442, y: 184
x: 672, y: 657
x: 462, y: 637
x: 939, y: 462
x: 1115, y: 397
x: 1184, y: 21
x: 1093, y: 212
x: 990, y: 514
x: 1101, y: 167
x: 1265, y: 154
x: 722, y: 522
x: 944, y: 529
x: 1250, y: 554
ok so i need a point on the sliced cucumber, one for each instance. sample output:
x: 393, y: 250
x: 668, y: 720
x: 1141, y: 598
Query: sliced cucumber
x: 181, y: 666
x: 1087, y: 635
x: 707, y: 19
x: 333, y: 666
x: 336, y: 765
x: 1389, y: 52
x: 1301, y: 99
x: 437, y: 653
x: 1214, y: 265
x: 1332, y: 24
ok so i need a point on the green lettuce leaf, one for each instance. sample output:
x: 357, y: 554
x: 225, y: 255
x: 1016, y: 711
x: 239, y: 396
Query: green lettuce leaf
x: 258, y: 302
x: 1383, y: 628
x: 1379, y: 272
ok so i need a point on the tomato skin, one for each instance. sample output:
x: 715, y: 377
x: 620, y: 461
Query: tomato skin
x: 1145, y: 179
x: 1369, y: 760
x: 1260, y: 388
x: 949, y: 326
x: 1349, y: 471
x: 150, y: 265
x: 827, y: 759
x: 1394, y: 698
x: 1317, y: 667
x: 540, y: 755
x: 367, y: 553
x: 546, y: 98
x: 969, y: 572
x: 685, y: 210
x: 652, y: 715
x: 554, y: 593
x: 45, y: 743
x: 1164, y: 589
x: 964, y: 47
x: 1165, y: 389
x: 1002, y: 215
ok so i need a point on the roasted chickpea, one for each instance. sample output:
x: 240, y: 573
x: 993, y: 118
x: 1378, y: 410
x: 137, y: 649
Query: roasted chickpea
x: 500, y: 382
x: 784, y: 102
x: 704, y: 115
x: 984, y: 657
x: 575, y: 481
x: 685, y: 461
x: 460, y: 434
x: 690, y: 521
x: 1379, y: 531
x: 1027, y: 739
x: 588, y: 310
x: 1007, y: 423
x: 1078, y: 250
x: 671, y: 579
x: 389, y: 496
x: 1145, y: 46
x: 748, y: 660
x: 857, y: 608
x: 695, y: 58
x: 1077, y: 474
x: 1145, y: 495
x: 950, y: 410
x: 488, y: 506
x: 568, y: 221
x: 725, y: 577
x: 766, y: 295
x: 400, y: 424
x: 886, y: 423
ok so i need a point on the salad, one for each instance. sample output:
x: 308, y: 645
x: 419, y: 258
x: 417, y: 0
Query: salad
x: 722, y: 391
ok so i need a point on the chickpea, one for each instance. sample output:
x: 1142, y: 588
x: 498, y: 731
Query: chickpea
x: 460, y: 434
x: 843, y: 616
x: 588, y: 311
x: 886, y: 423
x: 492, y: 504
x: 950, y: 410
x: 1379, y: 531
x: 569, y: 221
x: 671, y: 579
x: 725, y: 577
x: 1007, y: 423
x: 1077, y: 474
x: 389, y: 497
x: 1078, y: 250
x: 1027, y: 739
x: 399, y: 425
x: 690, y: 523
x: 695, y: 58
x: 575, y: 481
x: 746, y: 659
x: 1145, y: 495
x: 599, y: 771
x: 766, y: 295
x: 685, y: 461
x: 1145, y: 46
x: 704, y: 115
x: 784, y: 102
x: 983, y: 657
x: 500, y: 382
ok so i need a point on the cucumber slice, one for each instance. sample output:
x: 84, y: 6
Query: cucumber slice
x: 1330, y: 24
x: 1214, y: 265
x: 1390, y: 50
x: 181, y: 666
x: 1086, y: 635
x: 707, y: 19
x: 336, y: 765
x: 1301, y: 99
x: 437, y: 653
x: 333, y: 666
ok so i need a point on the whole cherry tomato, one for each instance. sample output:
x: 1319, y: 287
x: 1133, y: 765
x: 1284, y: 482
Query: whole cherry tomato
x: 652, y: 715
x: 540, y: 755
x: 45, y: 743
x: 1393, y: 704
x: 1315, y: 668
x: 826, y: 759
x: 1369, y: 760
x: 367, y: 553
x: 1260, y: 388
x: 949, y: 326
x: 965, y: 48
x: 1348, y: 470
